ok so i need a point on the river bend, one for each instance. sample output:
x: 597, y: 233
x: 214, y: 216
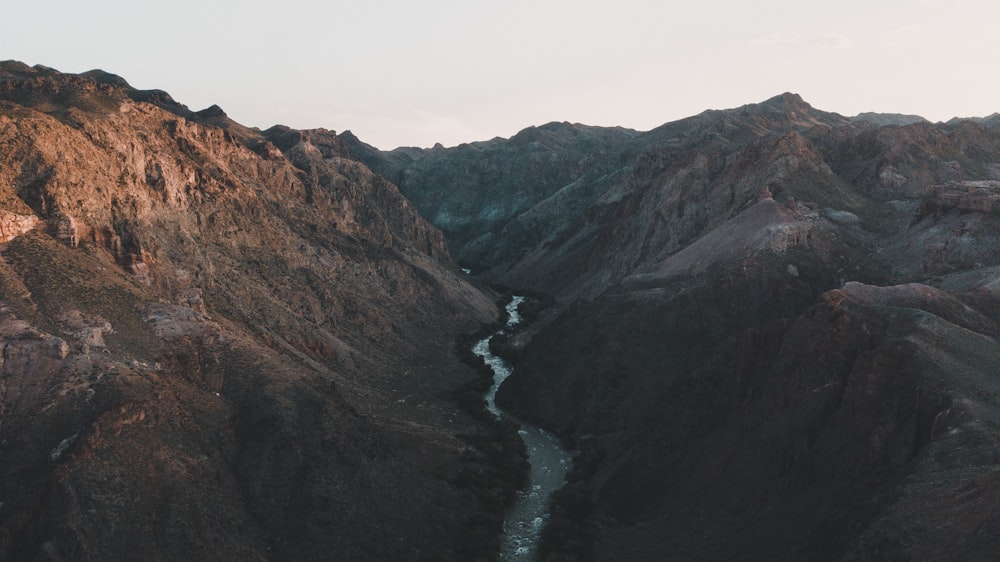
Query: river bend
x: 550, y: 462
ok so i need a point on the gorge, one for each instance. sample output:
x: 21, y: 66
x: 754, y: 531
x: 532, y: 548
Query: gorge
x: 549, y: 460
x: 770, y: 330
x: 777, y: 324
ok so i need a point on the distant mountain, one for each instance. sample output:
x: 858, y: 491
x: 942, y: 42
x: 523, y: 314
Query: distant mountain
x: 883, y: 119
x: 529, y: 209
x: 473, y: 191
x: 776, y: 325
x: 992, y: 120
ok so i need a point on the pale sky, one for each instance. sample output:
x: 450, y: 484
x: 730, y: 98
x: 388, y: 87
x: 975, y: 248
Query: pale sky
x: 449, y: 71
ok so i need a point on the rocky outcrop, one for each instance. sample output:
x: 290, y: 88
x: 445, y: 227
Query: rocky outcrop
x: 966, y: 196
x: 13, y: 225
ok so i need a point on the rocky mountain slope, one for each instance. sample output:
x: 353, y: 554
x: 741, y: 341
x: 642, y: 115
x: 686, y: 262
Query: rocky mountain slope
x: 778, y: 324
x: 220, y: 343
x: 474, y: 192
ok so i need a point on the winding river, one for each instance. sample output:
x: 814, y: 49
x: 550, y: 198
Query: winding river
x: 550, y: 462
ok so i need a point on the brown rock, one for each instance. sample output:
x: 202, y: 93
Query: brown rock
x: 13, y: 225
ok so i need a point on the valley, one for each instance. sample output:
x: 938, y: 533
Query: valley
x: 770, y: 333
x: 549, y: 459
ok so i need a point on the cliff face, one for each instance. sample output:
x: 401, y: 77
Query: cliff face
x: 778, y: 324
x: 217, y: 342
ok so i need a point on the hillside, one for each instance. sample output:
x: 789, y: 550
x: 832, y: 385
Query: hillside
x: 220, y: 343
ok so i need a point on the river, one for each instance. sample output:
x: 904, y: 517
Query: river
x: 550, y: 462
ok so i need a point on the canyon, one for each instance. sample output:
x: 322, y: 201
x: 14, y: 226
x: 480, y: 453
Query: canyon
x: 769, y: 332
x: 776, y: 324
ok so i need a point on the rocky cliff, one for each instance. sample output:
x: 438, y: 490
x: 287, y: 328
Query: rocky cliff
x: 777, y: 324
x: 217, y: 342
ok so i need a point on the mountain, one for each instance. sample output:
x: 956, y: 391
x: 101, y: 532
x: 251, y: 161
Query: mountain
x: 772, y: 334
x: 472, y: 192
x: 884, y: 119
x: 221, y: 343
x: 543, y: 195
x: 991, y: 120
x: 776, y: 325
x: 551, y: 230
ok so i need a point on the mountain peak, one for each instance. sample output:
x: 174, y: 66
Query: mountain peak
x: 787, y: 101
x: 9, y: 68
x: 212, y: 111
x: 791, y: 106
x: 104, y: 77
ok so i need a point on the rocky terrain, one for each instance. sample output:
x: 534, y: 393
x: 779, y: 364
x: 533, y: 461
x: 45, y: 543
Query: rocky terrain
x: 220, y: 343
x: 771, y: 332
x: 777, y: 324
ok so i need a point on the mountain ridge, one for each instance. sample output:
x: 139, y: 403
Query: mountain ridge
x: 222, y: 343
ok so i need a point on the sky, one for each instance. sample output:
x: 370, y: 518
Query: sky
x: 407, y: 73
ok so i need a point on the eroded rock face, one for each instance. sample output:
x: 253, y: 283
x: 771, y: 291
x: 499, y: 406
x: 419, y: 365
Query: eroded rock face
x: 218, y: 343
x: 13, y: 225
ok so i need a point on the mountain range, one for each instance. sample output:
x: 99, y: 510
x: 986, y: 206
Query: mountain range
x: 777, y: 323
x: 771, y: 332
